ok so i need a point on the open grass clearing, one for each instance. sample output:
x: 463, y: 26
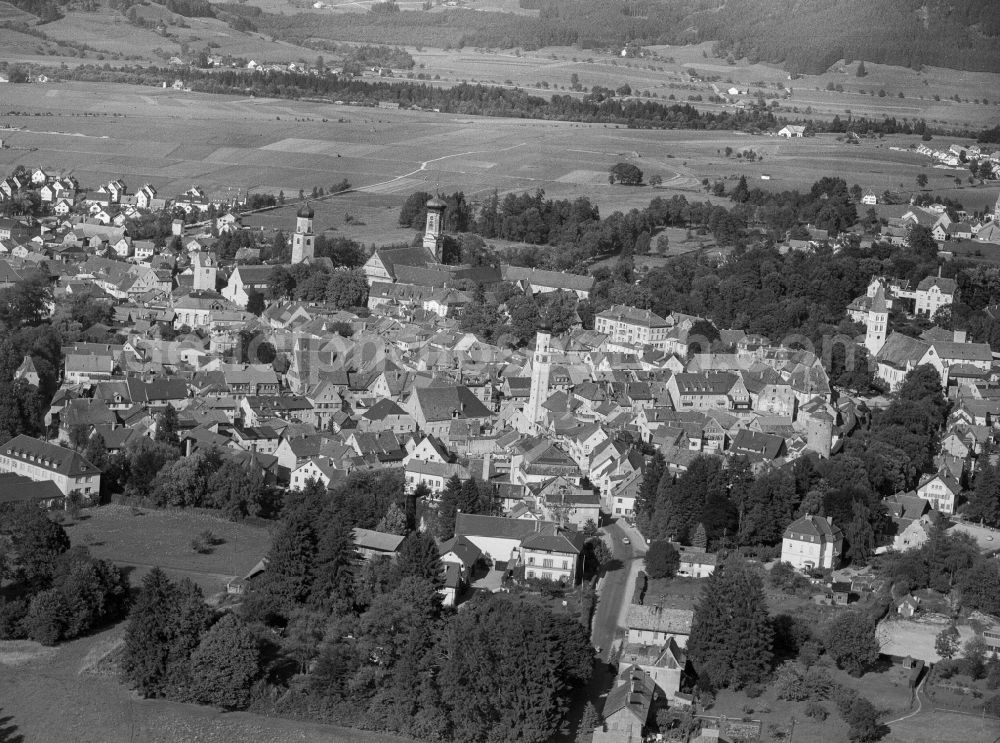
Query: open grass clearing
x: 139, y: 539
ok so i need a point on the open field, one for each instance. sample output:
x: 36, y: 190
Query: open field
x: 139, y: 539
x: 227, y: 144
x: 556, y: 66
x: 55, y: 695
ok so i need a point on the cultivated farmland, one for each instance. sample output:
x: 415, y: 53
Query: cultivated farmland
x: 174, y: 139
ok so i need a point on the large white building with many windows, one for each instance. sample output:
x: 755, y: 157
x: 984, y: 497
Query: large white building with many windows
x: 624, y: 324
x: 40, y: 461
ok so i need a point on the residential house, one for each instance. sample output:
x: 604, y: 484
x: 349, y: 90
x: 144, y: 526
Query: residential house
x: 626, y: 709
x: 657, y: 624
x: 812, y: 542
x: 941, y: 491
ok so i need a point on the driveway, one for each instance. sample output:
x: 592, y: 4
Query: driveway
x: 616, y: 587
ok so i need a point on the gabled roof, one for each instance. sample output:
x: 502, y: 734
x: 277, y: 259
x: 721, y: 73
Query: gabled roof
x: 57, y: 459
x: 443, y: 403
x: 475, y: 525
x: 465, y: 550
x: 634, y: 693
x: 812, y: 526
x: 377, y: 540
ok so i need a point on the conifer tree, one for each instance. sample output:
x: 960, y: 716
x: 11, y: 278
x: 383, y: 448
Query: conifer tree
x: 450, y: 499
x: 731, y: 635
x: 419, y: 558
x: 645, y: 502
x: 336, y: 555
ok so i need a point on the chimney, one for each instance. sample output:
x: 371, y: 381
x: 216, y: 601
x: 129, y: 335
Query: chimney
x: 960, y: 336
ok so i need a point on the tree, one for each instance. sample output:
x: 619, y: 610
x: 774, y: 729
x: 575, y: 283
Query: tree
x: 448, y: 508
x: 225, y: 664
x: 662, y: 560
x: 851, y: 641
x: 645, y: 502
x: 731, y: 633
x: 418, y: 557
x: 922, y: 180
x: 167, y: 426
x: 946, y: 642
x: 237, y: 490
x: 394, y: 521
x: 863, y: 719
x: 336, y: 555
x: 984, y: 501
x: 625, y: 173
x: 980, y: 587
x: 150, y: 634
x: 255, y: 302
x: 291, y: 562
x: 510, y: 666
x: 37, y: 542
x: 588, y: 722
x: 347, y: 289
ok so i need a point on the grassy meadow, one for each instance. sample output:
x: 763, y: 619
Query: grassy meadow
x: 174, y: 139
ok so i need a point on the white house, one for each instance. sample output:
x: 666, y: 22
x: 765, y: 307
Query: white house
x: 792, y: 131
x: 812, y: 542
x: 941, y: 491
x: 41, y: 461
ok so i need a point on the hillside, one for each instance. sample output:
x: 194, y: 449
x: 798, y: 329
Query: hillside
x: 803, y: 35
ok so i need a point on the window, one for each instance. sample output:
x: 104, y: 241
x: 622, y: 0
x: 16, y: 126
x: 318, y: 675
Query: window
x: 531, y: 573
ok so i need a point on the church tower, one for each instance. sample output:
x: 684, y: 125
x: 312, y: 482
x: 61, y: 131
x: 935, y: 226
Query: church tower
x: 433, y: 234
x: 996, y: 211
x: 878, y: 322
x: 304, y: 240
x: 540, y: 367
x: 205, y: 270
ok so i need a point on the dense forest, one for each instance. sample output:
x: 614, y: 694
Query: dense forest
x: 804, y: 35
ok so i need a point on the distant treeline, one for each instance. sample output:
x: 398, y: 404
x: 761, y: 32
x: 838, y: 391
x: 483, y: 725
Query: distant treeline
x: 484, y: 100
x: 46, y: 10
x: 189, y: 8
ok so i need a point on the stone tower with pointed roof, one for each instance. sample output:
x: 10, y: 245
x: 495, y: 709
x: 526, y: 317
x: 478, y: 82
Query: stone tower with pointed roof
x: 304, y: 239
x: 433, y: 231
x: 878, y: 323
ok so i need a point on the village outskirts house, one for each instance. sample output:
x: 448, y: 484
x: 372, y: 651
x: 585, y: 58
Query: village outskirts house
x: 812, y: 542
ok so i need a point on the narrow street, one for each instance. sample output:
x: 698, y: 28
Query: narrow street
x: 616, y: 587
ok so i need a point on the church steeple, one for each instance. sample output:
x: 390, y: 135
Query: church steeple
x: 540, y: 369
x: 433, y: 231
x: 878, y: 322
x: 304, y: 239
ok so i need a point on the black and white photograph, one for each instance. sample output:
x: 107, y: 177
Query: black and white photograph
x: 499, y: 371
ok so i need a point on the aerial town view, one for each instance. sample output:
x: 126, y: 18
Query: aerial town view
x: 499, y: 371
